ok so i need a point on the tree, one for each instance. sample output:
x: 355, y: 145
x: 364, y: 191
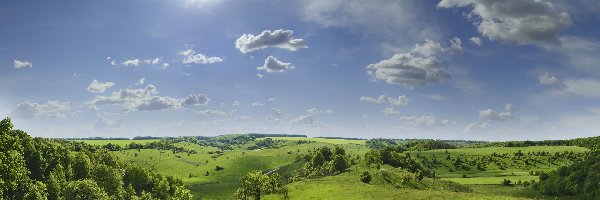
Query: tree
x: 84, y: 190
x: 138, y: 178
x: 82, y: 166
x: 365, y: 177
x: 255, y: 184
x: 340, y: 163
x: 108, y: 179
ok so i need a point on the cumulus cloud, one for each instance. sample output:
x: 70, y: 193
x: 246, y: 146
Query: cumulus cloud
x: 278, y: 38
x: 415, y: 68
x: 196, y: 100
x: 274, y: 115
x: 476, y: 40
x: 315, y: 111
x: 50, y: 109
x: 99, y: 87
x: 515, y: 21
x: 141, y: 81
x: 272, y: 65
x: 259, y: 75
x: 22, y: 64
x: 133, y: 62
x: 190, y: 56
x: 144, y: 99
x: 426, y: 120
x: 497, y: 115
x: 384, y: 99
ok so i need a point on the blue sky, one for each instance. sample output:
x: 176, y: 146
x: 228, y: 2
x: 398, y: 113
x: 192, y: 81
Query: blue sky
x: 443, y: 69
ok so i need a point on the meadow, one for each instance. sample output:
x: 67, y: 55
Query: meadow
x: 214, y: 173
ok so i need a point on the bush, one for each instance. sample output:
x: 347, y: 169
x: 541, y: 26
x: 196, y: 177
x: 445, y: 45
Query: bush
x: 365, y: 177
x: 506, y: 182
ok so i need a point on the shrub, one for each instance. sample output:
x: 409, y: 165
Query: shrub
x: 365, y: 177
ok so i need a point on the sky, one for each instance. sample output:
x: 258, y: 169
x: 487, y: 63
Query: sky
x: 439, y: 69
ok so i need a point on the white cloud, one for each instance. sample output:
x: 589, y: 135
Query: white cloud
x: 303, y: 120
x: 377, y: 18
x: 235, y: 103
x: 476, y: 40
x: 22, y: 64
x: 154, y: 61
x: 415, y: 68
x: 384, y: 99
x: 274, y: 115
x: 165, y: 65
x: 490, y: 114
x: 547, y: 79
x: 99, y: 87
x: 146, y: 99
x: 259, y: 75
x: 426, y: 120
x: 515, y: 21
x: 391, y: 111
x: 272, y: 65
x: 477, y: 127
x: 583, y: 87
x: 141, y: 81
x: 212, y: 112
x: 158, y: 103
x: 50, y: 109
x: 277, y: 38
x: 196, y: 100
x: 315, y: 111
x: 133, y: 62
x: 257, y: 104
x: 456, y: 44
x: 190, y: 56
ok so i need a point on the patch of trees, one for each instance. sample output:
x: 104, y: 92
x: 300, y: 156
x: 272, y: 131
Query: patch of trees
x: 97, y: 138
x: 592, y: 143
x: 266, y: 144
x: 38, y: 168
x: 414, y: 145
x: 146, y: 138
x: 264, y: 135
x: 324, y: 161
x: 256, y: 184
x: 395, y: 158
x: 340, y: 138
x: 581, y: 179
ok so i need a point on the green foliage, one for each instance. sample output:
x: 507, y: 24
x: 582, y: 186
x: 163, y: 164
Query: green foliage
x: 323, y: 161
x: 581, y: 179
x: 256, y: 184
x: 84, y: 190
x: 37, y: 168
x: 391, y: 156
x: 365, y: 177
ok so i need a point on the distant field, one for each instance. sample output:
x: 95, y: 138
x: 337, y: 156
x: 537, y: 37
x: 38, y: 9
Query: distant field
x: 323, y: 140
x: 116, y: 142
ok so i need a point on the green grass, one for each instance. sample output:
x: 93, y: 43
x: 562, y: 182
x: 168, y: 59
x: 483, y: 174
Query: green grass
x: 491, y: 180
x: 347, y: 186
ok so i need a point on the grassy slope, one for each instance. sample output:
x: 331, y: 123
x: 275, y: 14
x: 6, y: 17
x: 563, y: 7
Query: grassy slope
x: 115, y: 142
